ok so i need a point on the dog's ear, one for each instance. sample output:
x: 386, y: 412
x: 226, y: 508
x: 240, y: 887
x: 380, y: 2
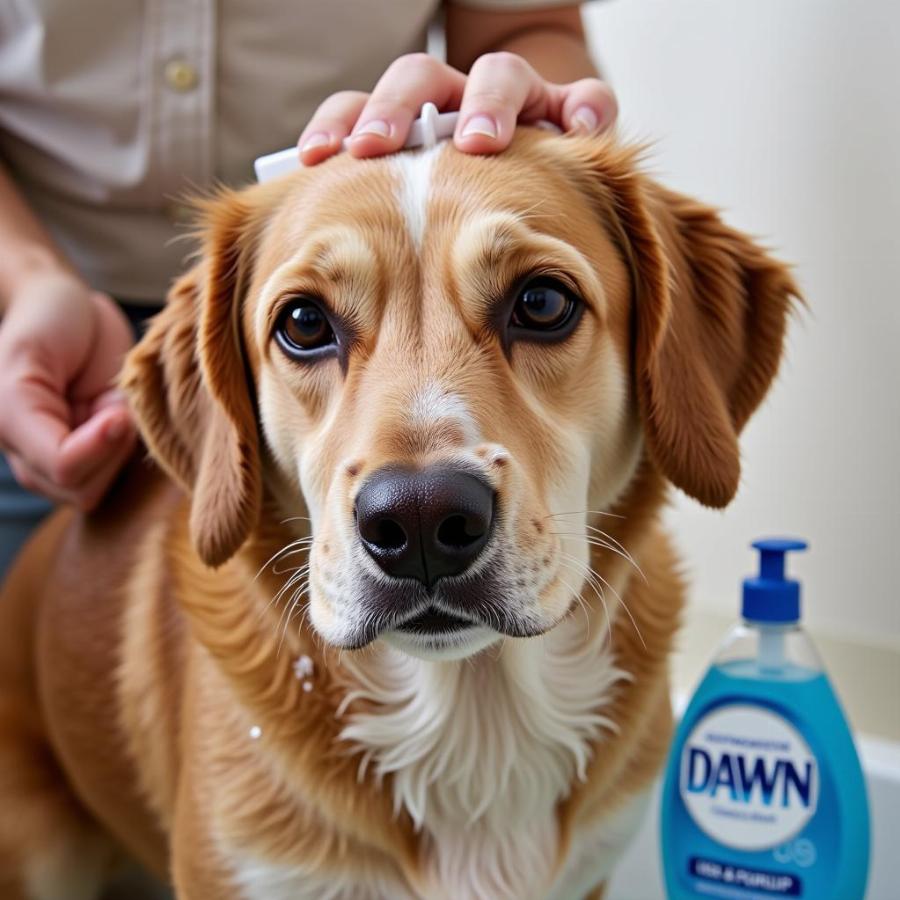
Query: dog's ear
x: 710, y: 313
x: 188, y: 385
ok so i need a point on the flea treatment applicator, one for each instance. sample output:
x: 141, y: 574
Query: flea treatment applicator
x: 426, y: 131
x: 431, y: 126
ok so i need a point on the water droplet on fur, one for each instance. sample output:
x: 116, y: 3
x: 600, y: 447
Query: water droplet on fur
x: 255, y: 733
x: 307, y: 686
x: 303, y: 667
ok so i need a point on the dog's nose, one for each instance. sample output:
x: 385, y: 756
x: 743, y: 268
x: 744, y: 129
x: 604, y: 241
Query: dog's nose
x: 424, y: 524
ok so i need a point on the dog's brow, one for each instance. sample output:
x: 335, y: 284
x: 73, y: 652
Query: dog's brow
x: 339, y: 256
x: 342, y: 256
x: 486, y: 241
x: 499, y: 246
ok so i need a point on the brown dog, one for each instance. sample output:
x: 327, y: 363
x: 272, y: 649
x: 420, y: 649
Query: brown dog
x: 395, y: 620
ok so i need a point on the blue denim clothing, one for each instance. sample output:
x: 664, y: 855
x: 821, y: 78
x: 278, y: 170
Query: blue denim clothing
x: 20, y: 510
x: 20, y: 514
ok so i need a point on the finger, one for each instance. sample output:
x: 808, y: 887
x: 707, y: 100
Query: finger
x: 85, y: 495
x: 501, y: 86
x: 397, y: 100
x: 330, y: 124
x: 34, y: 482
x: 588, y: 105
x: 34, y: 422
x: 84, y: 409
x: 91, y: 492
x: 93, y: 481
x: 90, y: 446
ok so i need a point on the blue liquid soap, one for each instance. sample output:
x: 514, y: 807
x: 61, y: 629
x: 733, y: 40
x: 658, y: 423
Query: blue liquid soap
x: 764, y: 795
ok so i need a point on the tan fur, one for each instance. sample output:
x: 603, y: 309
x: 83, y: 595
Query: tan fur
x: 140, y: 645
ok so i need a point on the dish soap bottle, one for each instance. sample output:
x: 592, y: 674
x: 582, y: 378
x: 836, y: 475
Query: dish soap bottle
x: 764, y: 796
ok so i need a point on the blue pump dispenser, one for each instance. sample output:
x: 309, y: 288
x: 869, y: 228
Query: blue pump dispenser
x: 764, y: 795
x: 770, y: 597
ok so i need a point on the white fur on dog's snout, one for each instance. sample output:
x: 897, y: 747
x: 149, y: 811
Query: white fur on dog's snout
x: 432, y: 404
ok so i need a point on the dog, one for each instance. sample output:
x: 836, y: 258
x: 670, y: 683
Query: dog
x: 388, y: 614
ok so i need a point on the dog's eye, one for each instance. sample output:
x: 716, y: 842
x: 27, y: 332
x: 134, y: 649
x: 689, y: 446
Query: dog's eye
x: 543, y: 305
x: 303, y: 328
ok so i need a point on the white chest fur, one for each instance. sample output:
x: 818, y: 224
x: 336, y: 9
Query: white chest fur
x: 591, y: 861
x: 261, y: 880
x: 481, y: 751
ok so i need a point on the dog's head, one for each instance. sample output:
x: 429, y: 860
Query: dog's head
x: 445, y: 361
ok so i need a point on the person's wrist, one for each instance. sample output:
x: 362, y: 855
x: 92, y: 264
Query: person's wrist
x: 29, y: 265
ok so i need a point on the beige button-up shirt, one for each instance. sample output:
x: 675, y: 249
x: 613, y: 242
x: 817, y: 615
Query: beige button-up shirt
x: 112, y: 111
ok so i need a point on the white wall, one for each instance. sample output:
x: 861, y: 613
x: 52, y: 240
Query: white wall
x: 785, y: 114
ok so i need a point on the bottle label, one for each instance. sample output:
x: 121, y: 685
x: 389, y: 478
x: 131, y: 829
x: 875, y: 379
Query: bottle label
x: 764, y: 797
x: 748, y: 778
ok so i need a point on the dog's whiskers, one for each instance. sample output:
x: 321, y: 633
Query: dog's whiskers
x: 603, y: 534
x: 292, y: 607
x: 584, y: 512
x: 624, y: 605
x: 277, y: 571
x: 293, y: 603
x: 621, y: 548
x: 595, y: 541
x: 581, y: 603
x: 289, y: 582
x: 589, y: 579
x: 298, y: 573
x: 591, y: 574
x: 300, y: 543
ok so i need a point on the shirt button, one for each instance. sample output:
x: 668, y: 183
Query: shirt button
x: 180, y: 75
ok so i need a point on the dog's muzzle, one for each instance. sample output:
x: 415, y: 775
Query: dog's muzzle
x: 424, y: 524
x: 431, y: 531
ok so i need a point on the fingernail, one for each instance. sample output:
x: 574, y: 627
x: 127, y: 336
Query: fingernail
x: 319, y: 139
x: 376, y: 126
x: 584, y: 118
x: 483, y: 125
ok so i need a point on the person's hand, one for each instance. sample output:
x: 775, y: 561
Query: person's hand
x: 64, y: 427
x: 500, y: 90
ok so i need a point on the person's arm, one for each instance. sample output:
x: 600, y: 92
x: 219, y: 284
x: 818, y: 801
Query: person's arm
x: 503, y: 66
x: 25, y: 247
x: 63, y: 427
x: 551, y: 40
